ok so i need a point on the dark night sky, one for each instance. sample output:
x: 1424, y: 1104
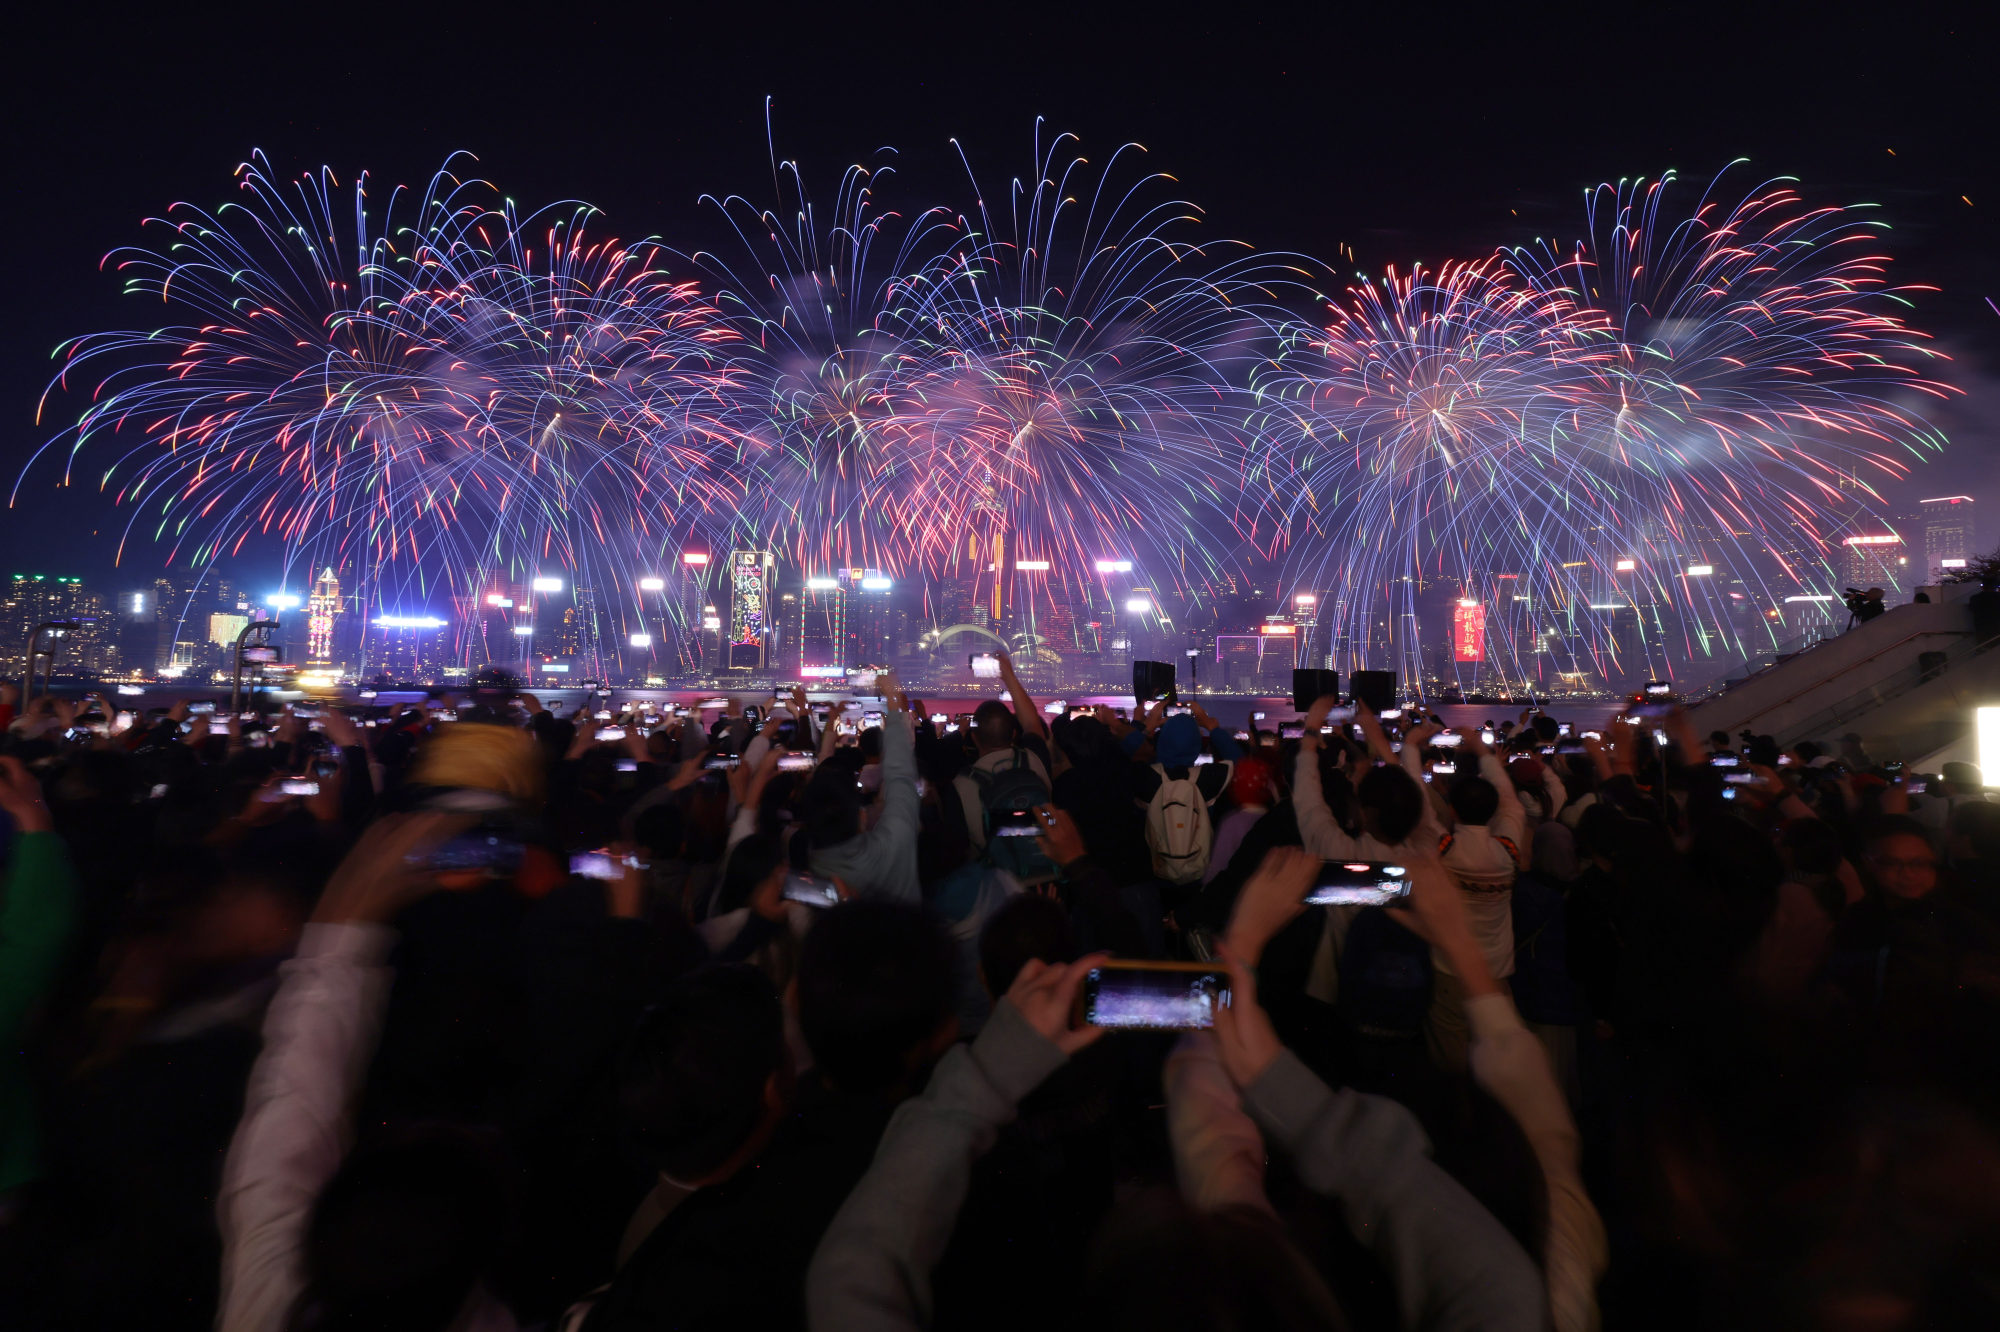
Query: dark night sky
x: 1407, y: 133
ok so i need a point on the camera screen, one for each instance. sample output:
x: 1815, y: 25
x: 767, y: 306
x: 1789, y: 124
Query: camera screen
x: 1162, y: 998
x: 1291, y: 730
x: 476, y: 852
x: 985, y: 666
x: 1358, y: 883
x: 796, y: 762
x: 811, y: 891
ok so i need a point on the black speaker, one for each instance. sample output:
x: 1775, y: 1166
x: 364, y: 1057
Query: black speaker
x: 1309, y: 683
x: 1152, y: 680
x: 1376, y: 689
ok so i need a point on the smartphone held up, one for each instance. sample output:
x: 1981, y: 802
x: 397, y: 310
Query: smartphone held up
x: 1359, y: 883
x: 1154, y: 996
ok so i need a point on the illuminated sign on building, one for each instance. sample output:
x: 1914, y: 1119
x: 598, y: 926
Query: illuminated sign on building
x: 1468, y: 631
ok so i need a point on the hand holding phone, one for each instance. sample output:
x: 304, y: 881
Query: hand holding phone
x: 1244, y: 1036
x: 1047, y: 995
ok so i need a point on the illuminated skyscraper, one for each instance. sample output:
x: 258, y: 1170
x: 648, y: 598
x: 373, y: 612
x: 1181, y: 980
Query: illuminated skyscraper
x: 751, y: 574
x: 1877, y: 559
x: 869, y: 627
x: 815, y: 638
x: 1948, y: 535
x: 322, y: 615
x: 694, y: 605
x: 28, y: 600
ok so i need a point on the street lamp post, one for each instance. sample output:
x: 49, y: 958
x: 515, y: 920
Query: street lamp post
x: 263, y: 629
x: 46, y: 655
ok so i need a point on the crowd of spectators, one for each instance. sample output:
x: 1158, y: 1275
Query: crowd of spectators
x: 461, y: 1014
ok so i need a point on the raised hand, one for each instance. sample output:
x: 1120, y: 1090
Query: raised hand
x: 384, y: 871
x: 1045, y: 993
x: 1316, y: 714
x: 1060, y: 841
x: 340, y: 730
x: 1272, y: 897
x: 893, y: 697
x: 1243, y: 1032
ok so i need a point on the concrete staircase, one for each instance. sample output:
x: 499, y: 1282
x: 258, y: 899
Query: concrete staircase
x: 1906, y: 683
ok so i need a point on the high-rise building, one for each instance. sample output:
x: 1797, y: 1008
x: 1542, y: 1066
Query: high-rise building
x: 751, y: 574
x: 29, y: 600
x: 323, y: 611
x: 1948, y: 534
x: 694, y: 601
x: 1876, y: 559
x: 1312, y: 650
x: 405, y: 648
x: 138, y: 630
x: 815, y: 629
x: 1277, y: 655
x: 869, y: 631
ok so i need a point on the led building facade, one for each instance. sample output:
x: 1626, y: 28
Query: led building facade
x: 751, y: 574
x: 322, y: 615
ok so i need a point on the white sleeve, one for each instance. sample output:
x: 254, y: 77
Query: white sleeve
x: 1509, y: 821
x: 319, y: 1035
x: 1317, y: 830
x: 1510, y: 1063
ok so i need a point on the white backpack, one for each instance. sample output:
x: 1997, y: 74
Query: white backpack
x: 1178, y: 829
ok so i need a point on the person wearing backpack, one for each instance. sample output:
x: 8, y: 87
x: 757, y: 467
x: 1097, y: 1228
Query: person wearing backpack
x: 1011, y: 741
x: 1178, y: 795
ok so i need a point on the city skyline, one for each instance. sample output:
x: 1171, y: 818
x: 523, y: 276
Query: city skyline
x: 754, y: 617
x: 1262, y: 496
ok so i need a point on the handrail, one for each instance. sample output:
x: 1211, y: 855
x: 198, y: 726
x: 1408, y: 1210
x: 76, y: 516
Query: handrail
x: 1889, y: 688
x: 1825, y: 681
x: 1783, y: 652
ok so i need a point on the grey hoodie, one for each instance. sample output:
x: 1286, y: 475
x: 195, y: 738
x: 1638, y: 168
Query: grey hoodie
x: 1453, y: 1265
x: 882, y: 862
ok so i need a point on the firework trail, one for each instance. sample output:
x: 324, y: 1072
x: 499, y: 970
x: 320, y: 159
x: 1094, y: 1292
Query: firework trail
x: 969, y: 395
x: 431, y: 399
x: 1000, y: 396
x: 1560, y: 435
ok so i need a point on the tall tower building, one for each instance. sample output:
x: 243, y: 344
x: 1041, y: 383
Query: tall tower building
x: 869, y: 632
x: 322, y: 615
x: 694, y: 603
x: 817, y: 645
x: 1948, y: 534
x: 168, y: 603
x: 751, y: 575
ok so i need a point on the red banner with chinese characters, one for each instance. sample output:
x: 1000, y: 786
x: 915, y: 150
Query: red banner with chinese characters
x: 1468, y: 631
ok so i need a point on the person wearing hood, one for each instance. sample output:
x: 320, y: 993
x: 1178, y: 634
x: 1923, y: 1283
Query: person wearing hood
x: 1176, y: 743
